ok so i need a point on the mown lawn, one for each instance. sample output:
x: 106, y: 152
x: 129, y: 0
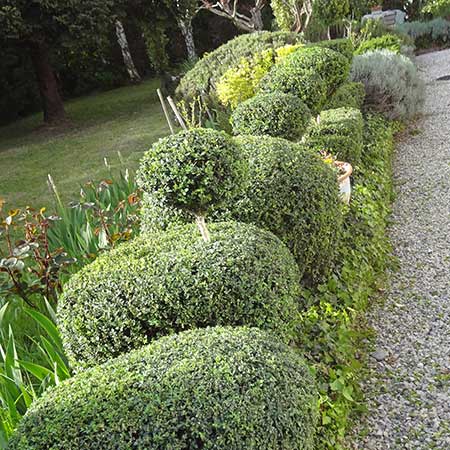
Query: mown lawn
x: 128, y: 120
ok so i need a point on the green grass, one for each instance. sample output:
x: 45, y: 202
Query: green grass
x: 128, y: 120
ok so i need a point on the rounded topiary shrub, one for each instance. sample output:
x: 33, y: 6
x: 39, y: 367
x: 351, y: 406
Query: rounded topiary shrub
x: 392, y: 83
x: 343, y: 46
x: 192, y: 169
x: 217, y: 388
x: 294, y: 194
x: 339, y: 132
x: 348, y: 95
x: 167, y: 282
x: 310, y: 73
x: 202, y: 79
x: 289, y: 191
x: 275, y: 114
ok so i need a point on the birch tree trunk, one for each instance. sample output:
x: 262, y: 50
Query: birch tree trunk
x: 188, y: 34
x: 126, y: 54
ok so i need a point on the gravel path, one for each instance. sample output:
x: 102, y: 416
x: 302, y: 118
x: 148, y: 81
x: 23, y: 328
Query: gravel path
x: 409, y: 386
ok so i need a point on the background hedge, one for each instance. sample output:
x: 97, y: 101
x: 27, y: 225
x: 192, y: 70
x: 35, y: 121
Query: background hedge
x: 276, y: 114
x: 218, y: 388
x: 348, y: 95
x: 343, y: 46
x: 168, y: 282
x: 310, y: 73
x: 202, y: 78
x: 340, y: 132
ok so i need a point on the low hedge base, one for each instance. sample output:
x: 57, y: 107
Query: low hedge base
x: 211, y: 389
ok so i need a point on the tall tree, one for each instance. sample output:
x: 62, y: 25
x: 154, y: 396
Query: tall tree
x: 126, y: 53
x: 293, y: 15
x: 331, y: 12
x: 247, y: 16
x: 37, y: 26
x: 184, y: 11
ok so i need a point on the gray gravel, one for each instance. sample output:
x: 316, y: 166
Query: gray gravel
x: 408, y: 389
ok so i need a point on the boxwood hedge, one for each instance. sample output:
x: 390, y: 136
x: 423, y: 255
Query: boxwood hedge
x: 211, y: 389
x: 276, y: 114
x: 348, y: 95
x: 192, y: 170
x: 340, y: 132
x: 343, y: 46
x: 167, y: 282
x: 289, y: 191
x: 294, y: 194
x: 203, y: 77
x: 310, y: 73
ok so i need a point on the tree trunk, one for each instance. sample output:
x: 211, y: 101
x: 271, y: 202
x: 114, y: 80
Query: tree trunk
x: 126, y: 54
x: 256, y: 15
x: 52, y: 103
x: 188, y: 34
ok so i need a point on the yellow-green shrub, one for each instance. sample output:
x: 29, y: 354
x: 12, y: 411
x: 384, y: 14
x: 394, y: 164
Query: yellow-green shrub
x: 241, y: 82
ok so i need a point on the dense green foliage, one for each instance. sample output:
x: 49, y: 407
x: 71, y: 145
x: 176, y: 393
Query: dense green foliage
x: 168, y: 282
x: 28, y: 366
x: 348, y: 95
x: 276, y: 114
x: 206, y: 389
x: 289, y: 191
x: 192, y: 170
x: 241, y: 82
x: 392, y: 83
x: 310, y: 73
x: 388, y: 41
x: 342, y: 46
x: 339, y: 132
x: 437, y: 8
x: 331, y: 12
x: 333, y: 333
x: 202, y: 78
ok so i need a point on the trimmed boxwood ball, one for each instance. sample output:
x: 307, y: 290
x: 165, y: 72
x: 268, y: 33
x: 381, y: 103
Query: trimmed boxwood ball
x: 192, y: 169
x: 310, y: 73
x: 294, y: 194
x: 340, y: 132
x: 289, y: 191
x: 162, y: 283
x: 210, y: 389
x: 275, y: 114
x: 343, y: 46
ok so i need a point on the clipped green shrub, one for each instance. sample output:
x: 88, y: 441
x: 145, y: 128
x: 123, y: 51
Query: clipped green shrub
x: 342, y: 46
x: 310, y: 73
x: 392, y: 84
x: 289, y: 191
x: 241, y: 82
x: 162, y: 283
x: 203, y: 77
x: 339, y: 132
x: 276, y: 114
x: 217, y: 388
x: 349, y: 95
x: 293, y: 193
x: 192, y: 169
x: 388, y: 41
